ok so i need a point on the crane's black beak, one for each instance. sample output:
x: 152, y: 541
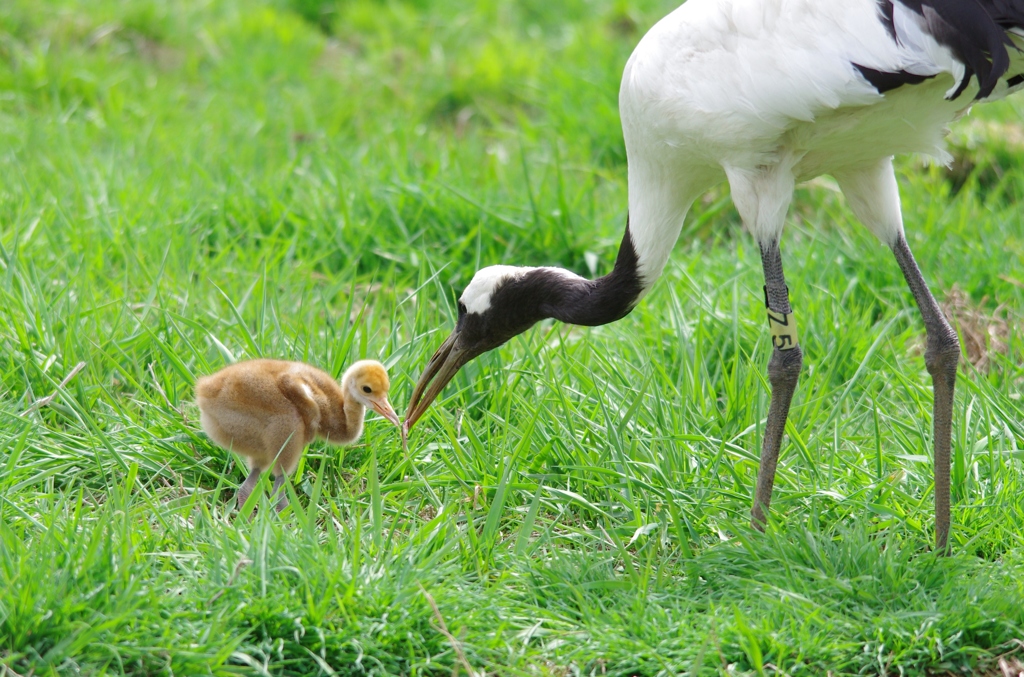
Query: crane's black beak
x: 442, y: 367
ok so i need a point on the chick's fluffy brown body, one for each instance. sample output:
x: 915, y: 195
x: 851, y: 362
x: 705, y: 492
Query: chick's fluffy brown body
x: 269, y: 410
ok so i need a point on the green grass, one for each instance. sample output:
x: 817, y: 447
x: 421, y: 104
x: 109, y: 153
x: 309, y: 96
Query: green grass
x: 186, y: 183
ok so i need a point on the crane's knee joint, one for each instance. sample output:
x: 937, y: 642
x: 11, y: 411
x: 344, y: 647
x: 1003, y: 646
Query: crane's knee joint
x: 785, y: 365
x: 943, y: 353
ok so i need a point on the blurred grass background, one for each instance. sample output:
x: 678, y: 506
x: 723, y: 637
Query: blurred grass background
x: 183, y: 184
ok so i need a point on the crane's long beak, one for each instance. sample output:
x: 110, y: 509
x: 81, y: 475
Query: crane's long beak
x: 442, y: 367
x: 384, y: 408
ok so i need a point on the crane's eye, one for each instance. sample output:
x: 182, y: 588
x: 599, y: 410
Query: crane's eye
x: 462, y: 308
x: 367, y: 389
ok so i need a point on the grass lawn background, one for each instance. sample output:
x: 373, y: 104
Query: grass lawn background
x: 187, y: 183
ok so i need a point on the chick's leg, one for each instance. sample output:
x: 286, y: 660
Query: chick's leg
x: 287, y: 437
x: 282, y: 502
x: 247, y: 486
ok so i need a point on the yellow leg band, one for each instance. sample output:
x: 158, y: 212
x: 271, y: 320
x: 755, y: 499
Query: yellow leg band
x: 782, y: 327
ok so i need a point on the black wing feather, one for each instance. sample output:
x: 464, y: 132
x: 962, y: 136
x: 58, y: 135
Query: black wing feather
x: 975, y: 31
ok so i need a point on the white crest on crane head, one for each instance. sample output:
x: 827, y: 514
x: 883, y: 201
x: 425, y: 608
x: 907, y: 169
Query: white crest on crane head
x: 477, y: 296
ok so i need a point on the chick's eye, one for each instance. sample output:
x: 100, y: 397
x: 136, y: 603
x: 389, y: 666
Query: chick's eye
x: 367, y: 389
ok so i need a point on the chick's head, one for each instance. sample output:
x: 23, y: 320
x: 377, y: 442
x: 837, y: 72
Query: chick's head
x: 367, y: 382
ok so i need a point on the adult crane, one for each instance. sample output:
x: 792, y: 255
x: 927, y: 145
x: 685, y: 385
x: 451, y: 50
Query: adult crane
x: 765, y: 94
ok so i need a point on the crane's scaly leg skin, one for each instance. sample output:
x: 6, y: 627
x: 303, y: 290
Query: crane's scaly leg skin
x: 783, y: 371
x: 941, y: 357
x: 282, y: 503
x: 247, y: 486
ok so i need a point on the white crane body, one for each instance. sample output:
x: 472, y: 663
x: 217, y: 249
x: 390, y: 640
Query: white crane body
x: 765, y: 94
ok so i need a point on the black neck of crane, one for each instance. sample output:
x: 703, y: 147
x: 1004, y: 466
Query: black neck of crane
x: 594, y: 302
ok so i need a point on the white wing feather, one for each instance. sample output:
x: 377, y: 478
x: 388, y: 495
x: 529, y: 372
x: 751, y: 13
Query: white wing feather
x: 762, y: 64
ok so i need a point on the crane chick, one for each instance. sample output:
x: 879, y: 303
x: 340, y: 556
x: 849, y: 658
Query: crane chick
x: 269, y: 410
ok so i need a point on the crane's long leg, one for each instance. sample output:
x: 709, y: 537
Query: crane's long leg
x: 875, y: 198
x: 940, y: 356
x: 247, y: 486
x: 783, y: 370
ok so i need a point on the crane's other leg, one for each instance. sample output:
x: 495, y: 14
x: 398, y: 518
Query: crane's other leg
x: 247, y: 486
x: 762, y: 196
x: 941, y: 357
x: 874, y: 197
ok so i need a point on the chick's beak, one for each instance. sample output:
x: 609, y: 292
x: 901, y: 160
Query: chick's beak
x: 383, y: 407
x: 442, y: 367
